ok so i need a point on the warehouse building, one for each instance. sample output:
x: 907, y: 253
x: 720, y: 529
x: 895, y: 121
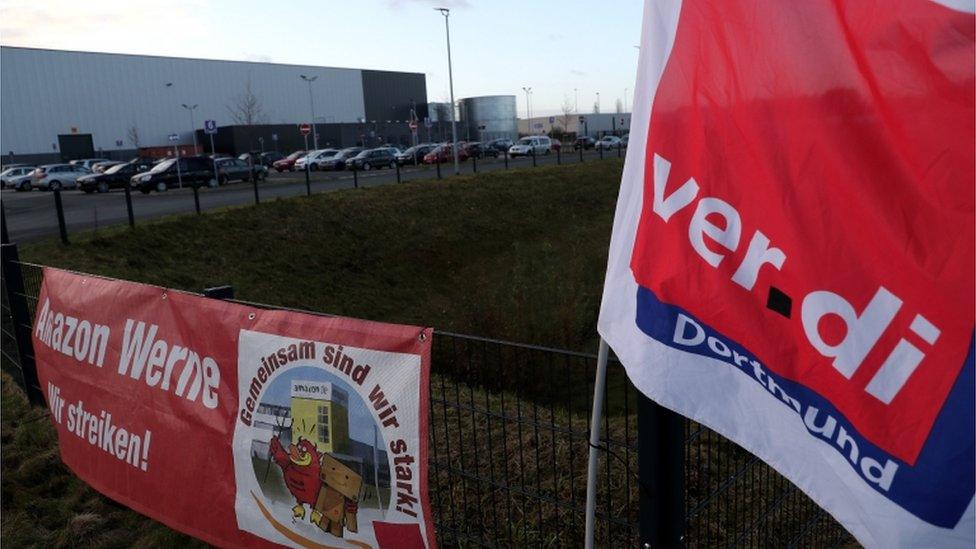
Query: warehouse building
x: 589, y: 124
x: 58, y: 105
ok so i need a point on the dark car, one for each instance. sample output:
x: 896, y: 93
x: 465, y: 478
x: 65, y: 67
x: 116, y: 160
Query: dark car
x: 415, y: 155
x: 499, y: 145
x: 269, y: 158
x: 584, y: 142
x: 288, y: 162
x: 190, y: 171
x: 115, y: 177
x: 340, y: 159
x: 373, y: 158
x: 236, y: 169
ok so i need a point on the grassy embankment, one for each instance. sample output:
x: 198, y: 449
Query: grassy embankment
x: 514, y: 255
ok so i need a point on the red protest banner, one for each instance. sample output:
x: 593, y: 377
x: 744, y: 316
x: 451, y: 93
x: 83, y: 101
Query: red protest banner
x: 237, y: 425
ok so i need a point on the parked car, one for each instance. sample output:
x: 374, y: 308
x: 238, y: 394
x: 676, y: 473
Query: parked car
x: 585, y: 143
x: 115, y: 177
x: 231, y: 169
x: 499, y: 145
x: 288, y: 163
x: 533, y: 144
x: 88, y: 162
x: 314, y: 157
x: 415, y: 155
x: 439, y: 154
x: 58, y: 176
x: 373, y: 158
x: 193, y: 170
x: 608, y: 142
x: 472, y: 149
x: 13, y: 177
x: 339, y: 160
x: 99, y: 167
x: 269, y: 158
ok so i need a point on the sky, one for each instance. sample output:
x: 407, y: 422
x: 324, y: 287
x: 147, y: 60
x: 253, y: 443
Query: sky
x: 497, y: 46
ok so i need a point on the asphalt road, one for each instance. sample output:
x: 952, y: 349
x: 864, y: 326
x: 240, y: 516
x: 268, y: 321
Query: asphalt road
x: 31, y: 216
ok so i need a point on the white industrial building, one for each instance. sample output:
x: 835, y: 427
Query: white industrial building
x: 591, y: 124
x: 51, y: 99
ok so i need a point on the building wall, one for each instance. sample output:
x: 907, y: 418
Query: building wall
x: 389, y: 96
x: 305, y: 414
x: 596, y: 125
x: 495, y: 112
x: 44, y: 93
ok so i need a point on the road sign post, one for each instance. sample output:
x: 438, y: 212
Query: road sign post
x: 176, y: 156
x: 210, y: 128
x: 308, y: 179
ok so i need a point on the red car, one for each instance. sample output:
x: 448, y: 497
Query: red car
x: 441, y: 154
x: 288, y: 162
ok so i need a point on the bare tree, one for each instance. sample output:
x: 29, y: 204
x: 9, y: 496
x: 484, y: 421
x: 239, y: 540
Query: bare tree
x: 619, y: 106
x: 247, y: 111
x: 133, y: 134
x: 569, y: 111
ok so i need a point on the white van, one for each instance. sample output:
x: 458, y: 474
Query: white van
x: 538, y: 144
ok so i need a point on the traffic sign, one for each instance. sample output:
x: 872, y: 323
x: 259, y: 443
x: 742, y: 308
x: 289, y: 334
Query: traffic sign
x: 118, y: 142
x: 305, y: 129
x: 552, y: 119
x: 210, y: 126
x: 173, y: 137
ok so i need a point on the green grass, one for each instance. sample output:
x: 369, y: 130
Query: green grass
x: 516, y: 254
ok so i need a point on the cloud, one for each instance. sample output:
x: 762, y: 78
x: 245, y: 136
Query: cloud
x: 397, y: 4
x: 100, y: 25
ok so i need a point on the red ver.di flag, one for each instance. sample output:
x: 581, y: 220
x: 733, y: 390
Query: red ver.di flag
x: 237, y: 425
x: 792, y: 255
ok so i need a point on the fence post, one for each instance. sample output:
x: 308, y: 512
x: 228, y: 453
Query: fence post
x: 4, y: 235
x: 559, y: 156
x: 128, y: 204
x: 474, y: 159
x: 219, y: 292
x: 438, y: 163
x: 196, y: 197
x: 355, y: 177
x: 398, y: 171
x: 62, y: 227
x: 600, y: 149
x: 618, y: 149
x: 506, y: 159
x: 533, y: 157
x: 661, y: 452
x: 582, y: 146
x: 308, y: 182
x: 13, y: 280
x: 254, y: 179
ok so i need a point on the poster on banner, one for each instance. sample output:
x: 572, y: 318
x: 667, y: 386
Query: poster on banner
x: 792, y: 258
x: 239, y: 426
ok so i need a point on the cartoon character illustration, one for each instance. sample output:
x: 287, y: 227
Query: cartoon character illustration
x: 301, y: 468
x: 338, y: 502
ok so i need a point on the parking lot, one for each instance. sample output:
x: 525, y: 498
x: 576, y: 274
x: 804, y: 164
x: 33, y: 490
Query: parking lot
x: 32, y: 215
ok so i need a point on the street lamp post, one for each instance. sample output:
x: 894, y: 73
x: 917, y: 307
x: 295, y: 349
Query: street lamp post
x: 450, y: 76
x: 576, y: 94
x: 193, y: 126
x: 597, y: 101
x: 528, y: 108
x: 311, y: 104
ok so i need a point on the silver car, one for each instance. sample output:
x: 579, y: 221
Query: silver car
x: 57, y: 176
x: 14, y: 178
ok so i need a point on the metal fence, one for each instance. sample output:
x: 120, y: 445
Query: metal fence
x: 509, y: 430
